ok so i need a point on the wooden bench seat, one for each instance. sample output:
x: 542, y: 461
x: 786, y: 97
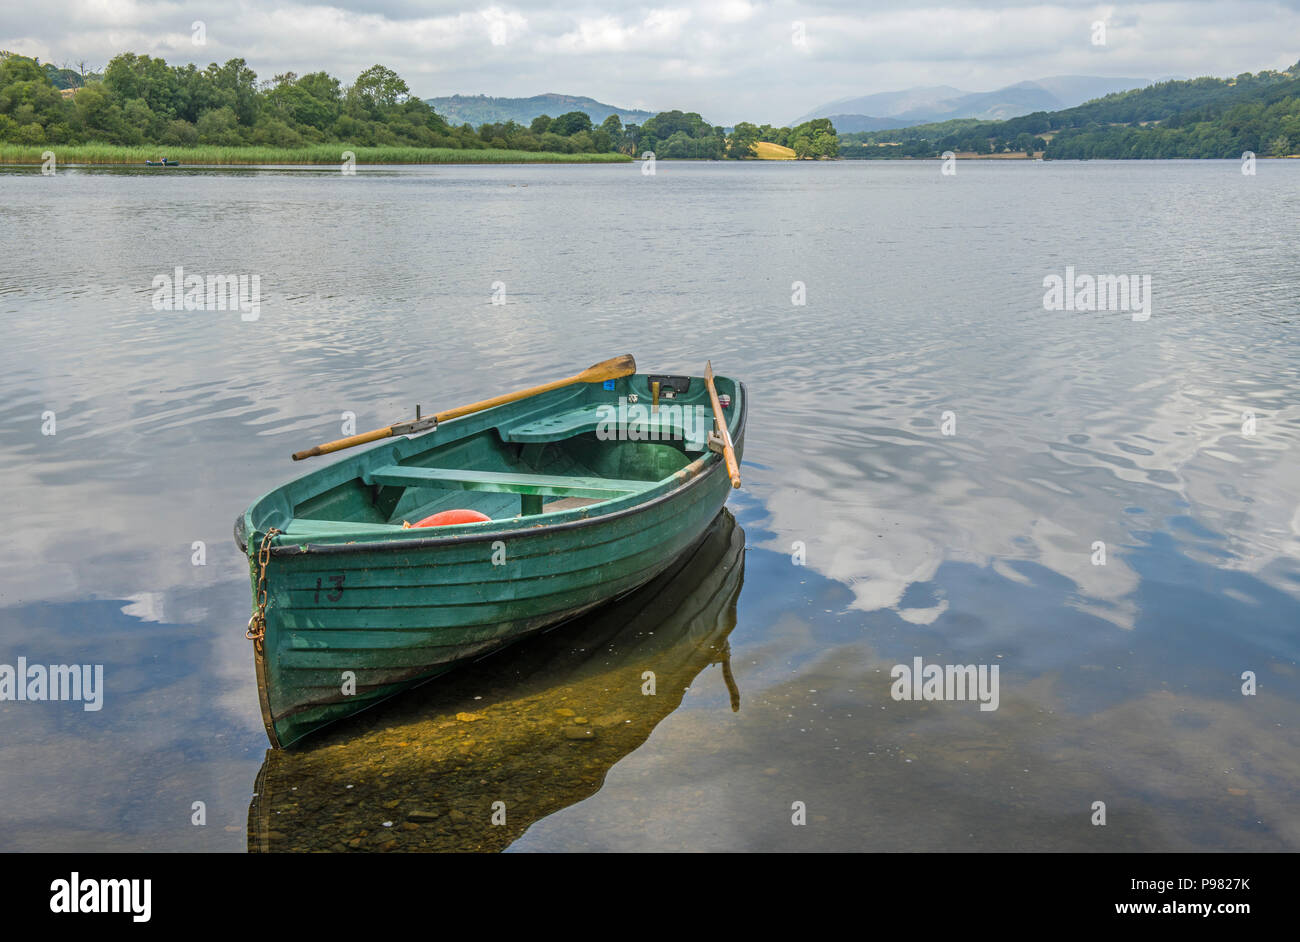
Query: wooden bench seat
x: 306, y: 526
x: 506, y: 483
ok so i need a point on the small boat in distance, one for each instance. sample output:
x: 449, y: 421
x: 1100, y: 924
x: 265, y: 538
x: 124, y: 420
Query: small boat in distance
x: 581, y: 491
x: 162, y: 163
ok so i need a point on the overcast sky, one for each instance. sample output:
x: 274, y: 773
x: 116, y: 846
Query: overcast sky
x: 730, y: 60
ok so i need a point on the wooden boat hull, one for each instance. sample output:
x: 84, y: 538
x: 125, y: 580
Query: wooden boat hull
x: 412, y: 759
x: 353, y: 618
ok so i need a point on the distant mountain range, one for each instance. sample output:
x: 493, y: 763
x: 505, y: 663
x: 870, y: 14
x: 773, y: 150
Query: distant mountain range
x: 881, y: 111
x: 480, y: 109
x: 926, y: 105
x: 1201, y: 118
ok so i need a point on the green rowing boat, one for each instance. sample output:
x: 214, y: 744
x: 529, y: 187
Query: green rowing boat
x: 582, y: 493
x: 572, y: 702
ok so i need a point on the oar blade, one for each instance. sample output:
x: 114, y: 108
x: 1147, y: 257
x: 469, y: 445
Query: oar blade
x: 609, y: 369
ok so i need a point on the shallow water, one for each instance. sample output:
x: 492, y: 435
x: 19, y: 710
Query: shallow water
x: 1119, y: 682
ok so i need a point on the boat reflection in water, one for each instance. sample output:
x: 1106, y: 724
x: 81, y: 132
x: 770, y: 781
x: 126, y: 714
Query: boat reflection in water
x: 516, y: 736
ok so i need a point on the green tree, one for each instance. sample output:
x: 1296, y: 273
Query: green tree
x: 825, y: 144
x: 27, y: 97
x: 571, y: 123
x: 130, y: 77
x: 31, y: 133
x: 220, y: 127
x: 743, y: 138
x: 98, y: 116
x: 380, y: 89
x: 234, y: 86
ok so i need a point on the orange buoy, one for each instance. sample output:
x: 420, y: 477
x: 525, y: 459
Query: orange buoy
x: 448, y: 517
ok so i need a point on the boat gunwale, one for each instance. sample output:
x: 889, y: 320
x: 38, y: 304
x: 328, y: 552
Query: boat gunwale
x: 325, y: 549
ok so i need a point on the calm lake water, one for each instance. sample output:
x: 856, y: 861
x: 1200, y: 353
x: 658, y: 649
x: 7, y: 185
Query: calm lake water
x: 966, y: 538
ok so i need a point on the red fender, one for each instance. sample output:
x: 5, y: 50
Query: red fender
x: 448, y: 517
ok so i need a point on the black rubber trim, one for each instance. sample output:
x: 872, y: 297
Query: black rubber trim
x: 334, y: 549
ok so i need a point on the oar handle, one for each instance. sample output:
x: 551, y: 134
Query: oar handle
x: 342, y: 443
x: 613, y: 368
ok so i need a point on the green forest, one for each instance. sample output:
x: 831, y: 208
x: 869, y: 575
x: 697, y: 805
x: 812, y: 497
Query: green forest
x: 140, y: 101
x: 1197, y: 118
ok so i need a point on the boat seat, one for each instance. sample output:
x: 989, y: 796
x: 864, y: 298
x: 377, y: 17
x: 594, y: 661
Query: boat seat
x: 306, y: 526
x: 663, y: 426
x: 496, y: 481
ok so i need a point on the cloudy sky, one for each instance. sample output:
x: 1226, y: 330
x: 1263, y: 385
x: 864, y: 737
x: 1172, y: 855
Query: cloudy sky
x: 730, y: 60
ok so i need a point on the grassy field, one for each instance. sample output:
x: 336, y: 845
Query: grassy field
x: 317, y: 154
x: 766, y: 150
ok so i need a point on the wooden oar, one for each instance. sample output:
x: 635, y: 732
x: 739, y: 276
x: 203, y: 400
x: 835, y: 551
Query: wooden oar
x: 728, y: 452
x: 599, y: 373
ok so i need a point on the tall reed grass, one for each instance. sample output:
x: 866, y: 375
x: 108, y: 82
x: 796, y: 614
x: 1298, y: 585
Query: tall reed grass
x: 315, y: 155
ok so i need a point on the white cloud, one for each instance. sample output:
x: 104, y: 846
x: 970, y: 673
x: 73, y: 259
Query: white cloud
x: 730, y: 60
x: 503, y: 25
x: 659, y: 30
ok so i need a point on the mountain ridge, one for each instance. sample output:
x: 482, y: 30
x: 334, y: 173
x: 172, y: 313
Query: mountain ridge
x: 932, y: 104
x: 486, y: 109
x: 1178, y: 119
